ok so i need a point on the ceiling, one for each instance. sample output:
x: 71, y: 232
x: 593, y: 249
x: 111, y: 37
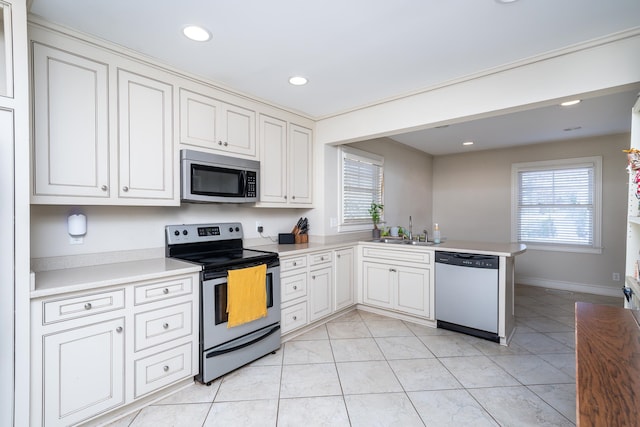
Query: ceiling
x: 359, y: 52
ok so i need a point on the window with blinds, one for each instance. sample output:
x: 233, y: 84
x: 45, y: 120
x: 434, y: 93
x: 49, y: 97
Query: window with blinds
x: 362, y: 183
x: 557, y: 203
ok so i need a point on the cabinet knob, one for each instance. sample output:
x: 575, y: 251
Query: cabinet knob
x: 119, y: 329
x: 219, y: 142
x: 165, y: 291
x: 295, y: 317
x: 225, y: 143
x: 125, y: 188
x: 165, y: 325
x: 293, y: 197
x: 87, y: 306
x: 295, y: 263
x: 338, y: 256
x: 285, y: 197
x: 104, y: 188
x: 393, y: 270
x: 313, y: 277
x: 165, y: 368
x: 295, y: 287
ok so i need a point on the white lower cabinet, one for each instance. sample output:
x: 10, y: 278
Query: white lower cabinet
x: 80, y: 367
x: 98, y: 350
x: 344, y: 277
x: 392, y: 282
x: 315, y: 285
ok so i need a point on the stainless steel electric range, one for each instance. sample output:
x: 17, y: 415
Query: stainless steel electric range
x: 218, y: 247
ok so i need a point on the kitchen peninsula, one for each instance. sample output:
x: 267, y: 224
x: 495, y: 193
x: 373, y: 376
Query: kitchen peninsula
x: 393, y: 279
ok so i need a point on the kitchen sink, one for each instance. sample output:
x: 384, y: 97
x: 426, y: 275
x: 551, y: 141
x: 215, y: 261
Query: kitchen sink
x: 402, y: 242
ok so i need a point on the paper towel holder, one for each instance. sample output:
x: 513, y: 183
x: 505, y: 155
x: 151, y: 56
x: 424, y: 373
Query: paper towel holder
x: 77, y: 224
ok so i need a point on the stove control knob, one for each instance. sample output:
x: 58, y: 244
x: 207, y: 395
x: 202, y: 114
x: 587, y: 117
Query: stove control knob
x: 230, y: 229
x: 185, y: 232
x: 177, y: 233
x: 237, y: 229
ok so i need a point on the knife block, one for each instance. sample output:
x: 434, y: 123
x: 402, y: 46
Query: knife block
x: 302, y: 238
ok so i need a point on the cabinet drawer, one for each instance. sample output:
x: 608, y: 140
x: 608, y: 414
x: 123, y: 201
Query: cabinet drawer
x: 287, y: 264
x: 162, y: 325
x: 86, y: 305
x: 319, y: 258
x: 294, y: 317
x: 293, y: 286
x: 396, y: 254
x: 161, y: 369
x: 157, y: 291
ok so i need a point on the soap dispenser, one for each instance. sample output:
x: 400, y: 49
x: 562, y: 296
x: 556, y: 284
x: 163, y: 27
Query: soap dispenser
x: 436, y: 233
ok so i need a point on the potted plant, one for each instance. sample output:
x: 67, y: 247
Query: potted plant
x: 375, y: 210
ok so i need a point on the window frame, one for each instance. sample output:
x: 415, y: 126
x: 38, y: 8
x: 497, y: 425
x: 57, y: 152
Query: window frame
x: 545, y: 165
x: 364, y: 156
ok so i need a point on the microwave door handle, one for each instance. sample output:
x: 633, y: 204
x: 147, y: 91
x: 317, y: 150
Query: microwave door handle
x: 243, y: 183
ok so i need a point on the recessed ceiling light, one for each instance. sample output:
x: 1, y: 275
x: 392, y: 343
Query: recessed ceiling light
x: 196, y: 33
x: 572, y: 102
x: 505, y: 1
x: 298, y: 80
x: 467, y: 143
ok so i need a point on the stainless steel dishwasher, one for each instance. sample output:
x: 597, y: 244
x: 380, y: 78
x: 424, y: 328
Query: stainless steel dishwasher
x: 467, y: 293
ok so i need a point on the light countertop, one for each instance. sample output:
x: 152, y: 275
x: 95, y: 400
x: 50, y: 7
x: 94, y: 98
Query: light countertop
x: 482, y: 248
x: 82, y: 278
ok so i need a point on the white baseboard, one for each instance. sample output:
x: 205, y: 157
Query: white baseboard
x: 571, y: 286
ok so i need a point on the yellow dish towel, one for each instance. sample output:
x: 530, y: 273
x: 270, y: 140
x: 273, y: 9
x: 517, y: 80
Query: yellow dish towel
x: 246, y: 295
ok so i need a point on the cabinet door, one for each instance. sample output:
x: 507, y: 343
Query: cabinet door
x: 273, y: 160
x: 146, y: 149
x: 198, y: 119
x: 71, y: 135
x: 83, y: 372
x: 239, y: 126
x: 413, y: 290
x: 320, y: 293
x: 344, y: 278
x: 300, y: 165
x: 377, y: 280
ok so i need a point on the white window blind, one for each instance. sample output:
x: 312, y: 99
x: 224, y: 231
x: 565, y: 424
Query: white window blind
x: 362, y: 183
x: 558, y: 203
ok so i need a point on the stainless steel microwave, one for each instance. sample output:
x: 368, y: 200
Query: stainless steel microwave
x: 212, y: 178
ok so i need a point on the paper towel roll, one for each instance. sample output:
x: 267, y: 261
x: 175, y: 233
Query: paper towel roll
x: 77, y: 224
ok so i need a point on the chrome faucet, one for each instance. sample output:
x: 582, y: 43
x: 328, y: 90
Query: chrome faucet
x: 410, y: 228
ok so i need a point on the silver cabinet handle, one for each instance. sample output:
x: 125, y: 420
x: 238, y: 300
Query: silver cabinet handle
x: 166, y: 368
x: 119, y: 329
x: 104, y: 188
x: 165, y: 325
x: 87, y: 306
x: 125, y: 188
x: 165, y: 291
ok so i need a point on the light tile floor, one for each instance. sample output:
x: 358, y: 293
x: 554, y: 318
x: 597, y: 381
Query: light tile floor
x: 364, y: 369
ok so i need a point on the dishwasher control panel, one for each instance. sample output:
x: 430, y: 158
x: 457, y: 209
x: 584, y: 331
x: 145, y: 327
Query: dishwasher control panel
x: 468, y: 260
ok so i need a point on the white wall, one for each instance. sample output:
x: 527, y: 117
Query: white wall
x: 121, y: 228
x: 472, y: 201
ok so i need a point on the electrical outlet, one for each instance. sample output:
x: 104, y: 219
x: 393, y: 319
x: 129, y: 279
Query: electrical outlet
x: 616, y: 277
x: 259, y: 226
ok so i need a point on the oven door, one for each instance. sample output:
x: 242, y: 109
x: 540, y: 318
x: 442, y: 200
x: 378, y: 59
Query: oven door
x: 214, y: 310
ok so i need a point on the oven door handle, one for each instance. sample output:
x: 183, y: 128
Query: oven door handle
x: 243, y: 345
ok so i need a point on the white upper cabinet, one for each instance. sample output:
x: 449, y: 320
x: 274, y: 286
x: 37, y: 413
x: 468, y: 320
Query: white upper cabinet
x: 206, y: 122
x: 6, y: 55
x: 71, y: 125
x: 146, y: 151
x: 103, y: 128
x: 286, y: 163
